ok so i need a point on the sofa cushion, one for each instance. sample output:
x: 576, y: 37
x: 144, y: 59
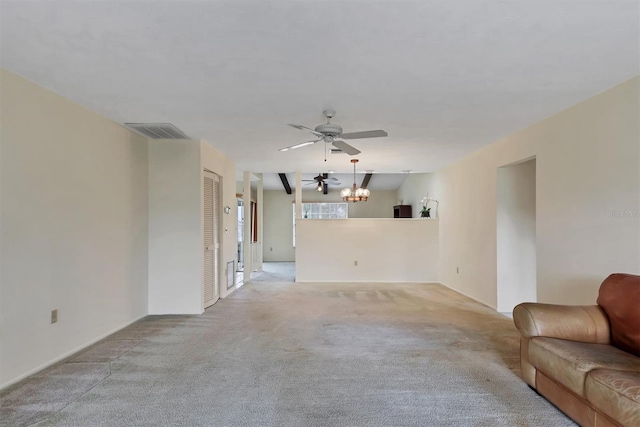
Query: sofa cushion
x: 569, y: 362
x: 619, y: 297
x: 615, y: 394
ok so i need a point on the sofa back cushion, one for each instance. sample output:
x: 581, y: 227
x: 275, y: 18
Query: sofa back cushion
x: 619, y: 297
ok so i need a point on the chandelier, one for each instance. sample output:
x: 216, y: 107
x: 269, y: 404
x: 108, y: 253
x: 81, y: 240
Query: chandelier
x: 355, y: 194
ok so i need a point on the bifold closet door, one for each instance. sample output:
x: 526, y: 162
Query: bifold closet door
x: 212, y: 220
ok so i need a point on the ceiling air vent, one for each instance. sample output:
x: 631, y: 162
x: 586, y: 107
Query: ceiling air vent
x: 336, y: 151
x: 157, y: 130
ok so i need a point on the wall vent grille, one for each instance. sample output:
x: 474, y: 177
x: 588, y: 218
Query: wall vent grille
x: 157, y: 130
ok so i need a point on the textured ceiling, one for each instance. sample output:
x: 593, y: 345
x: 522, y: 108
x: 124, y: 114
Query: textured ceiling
x: 443, y: 78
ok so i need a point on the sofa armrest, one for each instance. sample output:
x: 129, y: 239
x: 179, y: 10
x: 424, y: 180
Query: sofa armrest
x: 586, y: 323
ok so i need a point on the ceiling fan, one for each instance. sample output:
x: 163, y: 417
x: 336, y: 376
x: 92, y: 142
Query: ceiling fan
x: 330, y: 133
x: 321, y: 181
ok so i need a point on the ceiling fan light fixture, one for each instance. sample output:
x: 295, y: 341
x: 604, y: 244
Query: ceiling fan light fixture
x: 332, y: 133
x: 355, y: 194
x: 319, y: 187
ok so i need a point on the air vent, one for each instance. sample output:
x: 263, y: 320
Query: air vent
x: 336, y: 151
x: 157, y: 130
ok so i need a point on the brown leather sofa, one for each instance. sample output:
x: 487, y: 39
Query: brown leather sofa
x: 586, y: 359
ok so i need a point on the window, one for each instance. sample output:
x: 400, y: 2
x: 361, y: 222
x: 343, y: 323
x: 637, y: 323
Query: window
x: 320, y: 211
x: 324, y: 210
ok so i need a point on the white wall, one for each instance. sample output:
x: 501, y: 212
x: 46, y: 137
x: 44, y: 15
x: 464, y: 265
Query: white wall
x: 516, y: 235
x: 387, y: 250
x: 175, y: 229
x: 587, y: 201
x: 74, y: 227
x: 416, y: 187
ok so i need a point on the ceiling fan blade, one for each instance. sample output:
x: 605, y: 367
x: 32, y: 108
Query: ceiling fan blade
x: 325, y: 175
x: 352, y: 151
x: 302, y: 144
x: 364, y: 134
x: 313, y: 131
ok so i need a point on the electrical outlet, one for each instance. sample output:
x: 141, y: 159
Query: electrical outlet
x: 54, y: 316
x: 355, y: 263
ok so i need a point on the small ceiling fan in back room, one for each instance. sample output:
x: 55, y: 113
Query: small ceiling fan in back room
x: 331, y: 133
x: 322, y: 182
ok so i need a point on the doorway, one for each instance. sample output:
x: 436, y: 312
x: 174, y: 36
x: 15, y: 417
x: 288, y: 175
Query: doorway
x: 212, y: 218
x: 516, y: 234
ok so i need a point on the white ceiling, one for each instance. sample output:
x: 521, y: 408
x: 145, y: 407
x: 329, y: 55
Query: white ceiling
x: 443, y: 78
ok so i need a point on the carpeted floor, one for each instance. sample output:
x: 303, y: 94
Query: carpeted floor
x: 286, y: 354
x: 275, y: 272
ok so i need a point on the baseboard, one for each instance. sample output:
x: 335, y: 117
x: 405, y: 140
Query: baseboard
x: 67, y: 354
x: 469, y: 296
x: 228, y: 292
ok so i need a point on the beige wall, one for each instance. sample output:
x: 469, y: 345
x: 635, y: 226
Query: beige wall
x: 387, y: 250
x: 587, y: 201
x: 73, y: 223
x: 175, y: 249
x: 96, y: 222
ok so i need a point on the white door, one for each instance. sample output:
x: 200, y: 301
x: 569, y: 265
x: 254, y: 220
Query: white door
x: 212, y: 220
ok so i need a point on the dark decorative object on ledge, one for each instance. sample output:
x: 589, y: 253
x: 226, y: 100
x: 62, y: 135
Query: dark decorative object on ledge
x: 402, y: 211
x: 425, y: 212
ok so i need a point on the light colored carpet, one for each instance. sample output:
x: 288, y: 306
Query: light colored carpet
x: 285, y: 354
x: 275, y: 272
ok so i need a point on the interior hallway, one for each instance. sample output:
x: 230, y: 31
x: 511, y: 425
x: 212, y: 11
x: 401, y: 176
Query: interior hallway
x: 275, y: 272
x: 286, y: 354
